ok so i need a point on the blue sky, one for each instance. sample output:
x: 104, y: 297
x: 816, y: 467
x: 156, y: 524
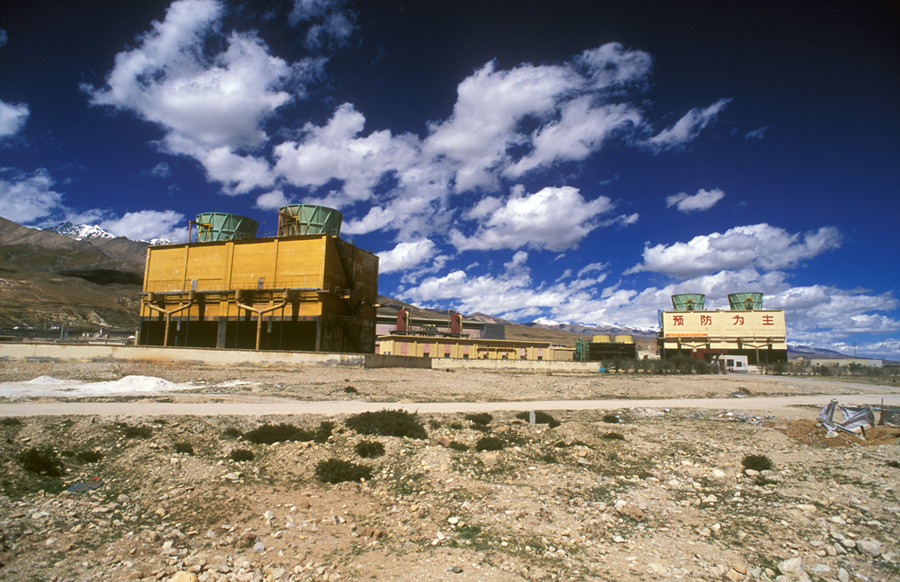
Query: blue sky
x: 579, y: 162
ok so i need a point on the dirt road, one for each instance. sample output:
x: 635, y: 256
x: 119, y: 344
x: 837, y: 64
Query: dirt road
x: 804, y: 406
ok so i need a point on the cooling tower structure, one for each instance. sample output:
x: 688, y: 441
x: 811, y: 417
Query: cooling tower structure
x: 216, y: 226
x: 751, y: 301
x: 689, y: 330
x: 299, y: 219
x: 688, y: 301
x: 304, y: 289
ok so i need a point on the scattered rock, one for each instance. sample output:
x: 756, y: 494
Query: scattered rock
x: 868, y: 547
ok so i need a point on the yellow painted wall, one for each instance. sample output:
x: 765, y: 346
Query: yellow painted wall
x: 298, y: 262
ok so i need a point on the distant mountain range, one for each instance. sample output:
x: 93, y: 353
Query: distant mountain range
x: 48, y: 280
x: 89, y: 232
x: 595, y: 329
x: 84, y: 277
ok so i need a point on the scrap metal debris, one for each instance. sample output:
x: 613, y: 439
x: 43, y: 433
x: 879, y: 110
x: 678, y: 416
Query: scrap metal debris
x: 86, y: 485
x: 856, y: 418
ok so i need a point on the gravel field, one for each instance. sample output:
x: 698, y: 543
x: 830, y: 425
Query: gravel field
x: 636, y: 493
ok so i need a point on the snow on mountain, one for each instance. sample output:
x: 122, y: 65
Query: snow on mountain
x: 93, y: 232
x: 595, y: 328
x: 80, y: 231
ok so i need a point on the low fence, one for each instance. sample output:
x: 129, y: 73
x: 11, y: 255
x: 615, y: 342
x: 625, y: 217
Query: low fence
x: 517, y: 365
x: 52, y: 352
x: 37, y: 352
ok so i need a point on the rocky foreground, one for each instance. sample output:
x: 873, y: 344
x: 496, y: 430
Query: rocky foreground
x: 641, y: 494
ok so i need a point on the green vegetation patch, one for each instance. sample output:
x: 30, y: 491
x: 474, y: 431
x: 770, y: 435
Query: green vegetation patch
x: 278, y: 433
x: 42, y: 461
x: 489, y: 443
x: 230, y: 433
x: 242, y: 455
x: 369, y: 449
x: 539, y: 418
x: 184, y: 448
x: 396, y: 423
x: 135, y: 432
x: 338, y: 471
x: 757, y: 462
x: 481, y: 418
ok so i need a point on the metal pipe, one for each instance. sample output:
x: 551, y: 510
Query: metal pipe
x: 168, y: 315
x: 259, y: 315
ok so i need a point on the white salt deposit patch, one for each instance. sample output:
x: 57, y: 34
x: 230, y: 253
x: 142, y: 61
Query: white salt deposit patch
x: 46, y: 380
x: 235, y: 383
x: 49, y: 386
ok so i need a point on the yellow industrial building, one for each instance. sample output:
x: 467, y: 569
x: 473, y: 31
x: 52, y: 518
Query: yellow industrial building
x: 745, y: 330
x: 465, y: 348
x: 310, y: 291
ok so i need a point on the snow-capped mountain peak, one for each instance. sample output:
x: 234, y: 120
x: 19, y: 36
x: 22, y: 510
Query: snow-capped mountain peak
x: 80, y: 231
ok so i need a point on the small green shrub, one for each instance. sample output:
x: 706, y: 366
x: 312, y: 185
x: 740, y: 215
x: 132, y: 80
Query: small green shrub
x: 757, y: 462
x: 326, y: 427
x: 396, y: 423
x: 241, y: 455
x: 369, y: 449
x: 338, y: 471
x: 489, y: 443
x: 10, y: 421
x: 43, y: 461
x: 434, y: 423
x: 894, y: 464
x: 458, y: 446
x: 88, y: 456
x: 230, y: 433
x: 136, y: 432
x: 455, y: 426
x: 539, y: 418
x: 611, y: 418
x: 469, y: 532
x: 613, y: 436
x: 278, y: 433
x: 350, y: 390
x: 184, y: 448
x: 481, y: 418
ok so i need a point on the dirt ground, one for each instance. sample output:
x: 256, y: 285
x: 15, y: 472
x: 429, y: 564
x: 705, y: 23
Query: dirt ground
x: 639, y: 493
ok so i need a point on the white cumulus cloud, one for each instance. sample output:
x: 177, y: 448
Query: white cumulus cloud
x: 12, y: 118
x: 405, y: 256
x: 702, y: 200
x: 756, y: 246
x: 209, y: 105
x: 336, y: 151
x: 25, y: 198
x: 147, y: 225
x: 272, y: 200
x: 552, y: 218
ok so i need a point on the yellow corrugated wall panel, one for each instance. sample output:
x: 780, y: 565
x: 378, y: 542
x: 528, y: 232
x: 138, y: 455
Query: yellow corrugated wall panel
x: 252, y: 262
x: 165, y: 269
x: 300, y: 263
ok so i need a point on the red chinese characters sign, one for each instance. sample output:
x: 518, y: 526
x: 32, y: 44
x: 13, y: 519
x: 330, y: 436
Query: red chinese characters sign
x: 725, y: 324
